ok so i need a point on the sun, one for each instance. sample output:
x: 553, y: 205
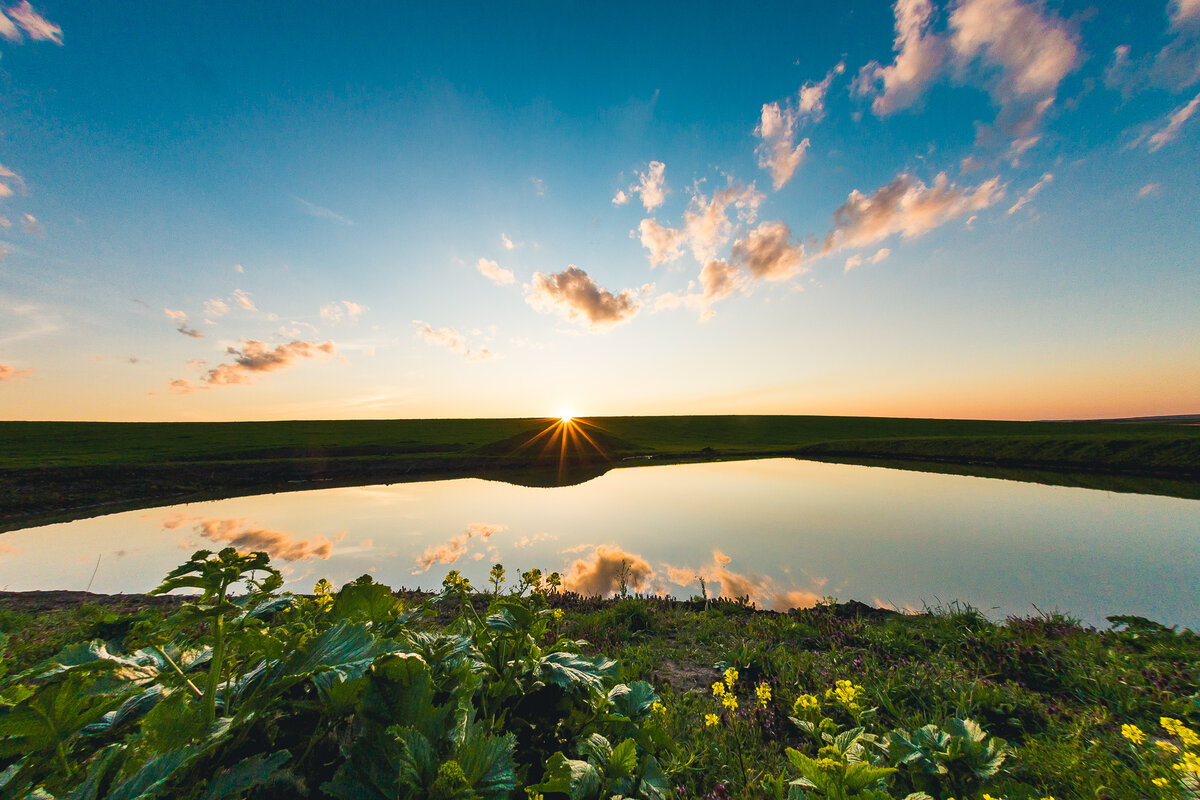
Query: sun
x: 565, y: 415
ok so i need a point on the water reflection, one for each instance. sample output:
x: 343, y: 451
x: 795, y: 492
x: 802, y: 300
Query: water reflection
x: 781, y: 532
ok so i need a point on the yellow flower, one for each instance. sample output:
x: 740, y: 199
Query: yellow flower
x: 558, y: 615
x: 730, y: 702
x: 532, y: 795
x: 731, y: 676
x: 805, y: 702
x: 1166, y: 747
x: 1160, y: 782
x: 1133, y: 733
x: 987, y: 796
x: 658, y: 707
x: 845, y: 694
x: 711, y: 719
x: 718, y: 689
x: 764, y: 694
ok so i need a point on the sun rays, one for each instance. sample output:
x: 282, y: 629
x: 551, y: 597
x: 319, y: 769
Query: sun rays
x: 565, y: 440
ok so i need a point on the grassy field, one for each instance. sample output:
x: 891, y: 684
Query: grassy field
x: 62, y: 470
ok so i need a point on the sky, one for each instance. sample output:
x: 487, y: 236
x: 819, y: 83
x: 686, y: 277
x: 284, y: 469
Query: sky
x: 932, y: 208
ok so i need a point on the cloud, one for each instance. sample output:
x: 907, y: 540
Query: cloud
x: 320, y: 212
x: 183, y: 386
x: 7, y: 179
x: 1175, y: 120
x: 856, y: 259
x: 718, y: 279
x: 1149, y: 189
x: 255, y: 357
x: 243, y: 300
x: 905, y: 206
x: 1026, y: 198
x: 778, y: 153
x: 494, y: 272
x: 239, y: 268
x: 451, y: 339
x: 665, y: 244
x: 456, y: 547
x: 763, y: 591
x: 240, y: 534
x: 508, y: 243
x: 8, y: 373
x: 573, y: 294
x: 919, y: 58
x: 216, y: 307
x: 192, y: 332
x: 853, y: 261
x: 1184, y: 12
x: 335, y: 312
x: 539, y: 186
x: 29, y: 224
x: 706, y: 221
x: 768, y: 253
x: 600, y: 573
x: 30, y: 21
x: 1175, y: 66
x: 651, y: 186
x: 175, y: 315
x: 181, y: 317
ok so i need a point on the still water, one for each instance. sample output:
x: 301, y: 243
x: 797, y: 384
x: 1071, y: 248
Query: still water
x: 782, y: 531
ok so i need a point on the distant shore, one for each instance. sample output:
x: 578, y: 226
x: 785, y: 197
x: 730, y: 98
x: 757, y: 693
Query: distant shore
x: 53, y: 472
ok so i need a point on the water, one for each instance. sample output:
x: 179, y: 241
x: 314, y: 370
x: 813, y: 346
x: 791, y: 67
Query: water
x: 784, y: 532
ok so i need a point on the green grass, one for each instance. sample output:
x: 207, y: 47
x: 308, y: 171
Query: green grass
x: 32, y: 445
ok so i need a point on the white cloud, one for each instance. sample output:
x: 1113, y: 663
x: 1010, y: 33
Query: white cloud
x: 1030, y: 193
x: 345, y: 309
x: 320, y: 212
x: 507, y: 242
x: 539, y: 186
x: 216, y: 307
x: 243, y: 300
x: 1149, y: 189
x: 1184, y: 12
x: 856, y: 259
x: 456, y: 547
x: 905, y: 206
x: 919, y: 57
x: 452, y: 340
x: 880, y: 255
x: 573, y: 294
x: 853, y: 261
x: 706, y: 221
x: 494, y: 272
x: 718, y: 279
x: 1175, y: 121
x: 620, y: 198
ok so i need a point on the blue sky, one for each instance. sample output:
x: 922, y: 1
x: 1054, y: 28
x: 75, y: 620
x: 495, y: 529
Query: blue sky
x: 968, y: 208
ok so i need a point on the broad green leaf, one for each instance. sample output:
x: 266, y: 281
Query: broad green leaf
x: 595, y: 749
x: 573, y: 671
x: 633, y: 700
x: 365, y: 602
x: 622, y: 763
x: 235, y: 781
x: 487, y: 761
x: 579, y: 780
x: 54, y: 713
x: 861, y: 775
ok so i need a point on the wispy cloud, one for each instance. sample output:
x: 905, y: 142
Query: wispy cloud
x: 243, y: 300
x: 718, y: 279
x: 451, y: 339
x: 345, y: 309
x: 507, y: 242
x: 8, y: 179
x: 857, y: 259
x: 494, y: 272
x: 456, y: 547
x: 650, y: 186
x: 908, y: 207
x: 1148, y: 189
x: 573, y: 294
x: 600, y: 573
x: 762, y: 590
x: 320, y: 212
x: 1175, y: 120
x: 9, y: 373
x: 1030, y: 193
x: 30, y: 21
x: 181, y: 317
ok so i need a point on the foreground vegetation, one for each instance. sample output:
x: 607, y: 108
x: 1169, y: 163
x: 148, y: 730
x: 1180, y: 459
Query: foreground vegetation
x: 525, y: 691
x: 52, y: 471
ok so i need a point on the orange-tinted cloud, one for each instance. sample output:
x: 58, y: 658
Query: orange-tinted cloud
x: 908, y: 207
x: 494, y: 272
x: 1175, y: 121
x: 335, y: 312
x: 577, y: 297
x: 763, y: 591
x: 651, y: 185
x: 30, y: 21
x: 451, y: 339
x: 768, y: 252
x: 241, y: 534
x: 600, y: 574
x: 456, y: 547
x: 919, y: 58
x: 718, y: 279
x: 778, y: 153
x: 8, y: 373
x: 255, y: 356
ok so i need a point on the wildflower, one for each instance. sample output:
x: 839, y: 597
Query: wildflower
x: 987, y: 796
x: 846, y: 695
x: 730, y: 702
x: 711, y: 719
x: 1167, y: 747
x: 1133, y: 733
x: 1160, y: 782
x: 532, y: 795
x: 718, y: 689
x: 731, y: 676
x: 658, y: 708
x: 558, y: 616
x: 764, y: 694
x: 805, y: 702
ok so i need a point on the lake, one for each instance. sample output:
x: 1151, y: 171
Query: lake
x: 782, y: 531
